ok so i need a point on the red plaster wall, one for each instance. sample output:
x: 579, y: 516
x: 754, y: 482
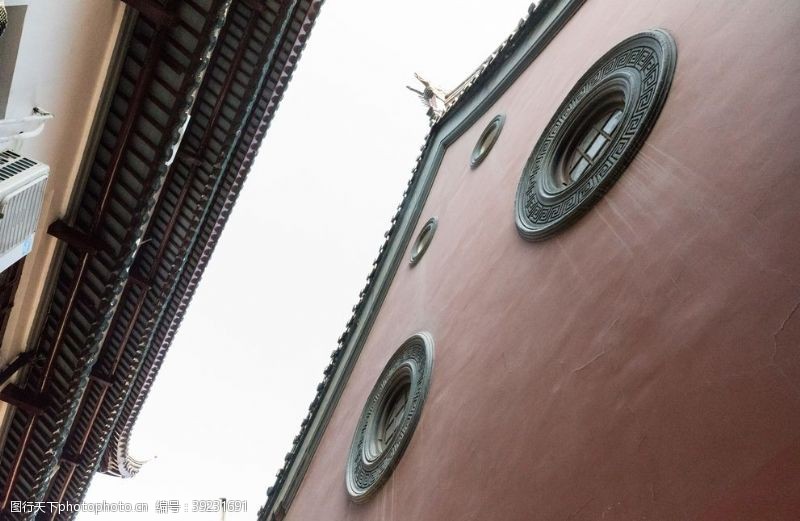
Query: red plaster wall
x: 643, y: 364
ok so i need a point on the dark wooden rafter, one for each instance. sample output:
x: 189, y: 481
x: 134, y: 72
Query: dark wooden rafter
x: 144, y: 80
x: 154, y: 54
x: 154, y: 11
x: 17, y: 462
x: 71, y: 463
x: 77, y: 239
x: 191, y: 157
x: 103, y: 390
x: 229, y: 77
x: 155, y: 291
x: 128, y: 331
x: 281, y: 66
x: 15, y: 365
x: 139, y: 280
x: 103, y: 382
x: 84, y: 243
x: 143, y: 279
x: 29, y: 401
x: 101, y: 379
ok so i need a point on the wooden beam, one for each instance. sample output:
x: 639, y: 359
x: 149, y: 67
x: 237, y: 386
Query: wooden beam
x: 15, y: 466
x: 152, y: 58
x: 101, y: 379
x: 70, y: 463
x: 153, y: 11
x: 77, y: 239
x: 18, y: 363
x: 29, y: 401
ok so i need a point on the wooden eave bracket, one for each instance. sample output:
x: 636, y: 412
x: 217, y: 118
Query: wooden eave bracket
x: 29, y: 401
x: 15, y: 365
x: 153, y: 11
x: 74, y: 237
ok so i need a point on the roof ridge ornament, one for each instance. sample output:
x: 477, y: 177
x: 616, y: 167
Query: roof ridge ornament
x: 440, y: 101
x: 432, y: 97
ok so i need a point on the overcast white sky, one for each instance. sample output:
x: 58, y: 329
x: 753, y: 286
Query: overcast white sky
x: 296, y: 252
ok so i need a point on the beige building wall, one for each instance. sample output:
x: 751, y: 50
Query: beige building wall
x: 64, y: 55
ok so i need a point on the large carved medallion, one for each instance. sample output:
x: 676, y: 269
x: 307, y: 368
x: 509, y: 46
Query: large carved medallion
x: 389, y: 417
x: 595, y: 133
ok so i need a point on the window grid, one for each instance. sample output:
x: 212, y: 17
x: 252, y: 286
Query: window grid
x: 394, y: 416
x: 592, y: 146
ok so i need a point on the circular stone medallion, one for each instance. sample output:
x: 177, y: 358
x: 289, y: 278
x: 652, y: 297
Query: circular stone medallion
x: 595, y: 133
x: 389, y: 417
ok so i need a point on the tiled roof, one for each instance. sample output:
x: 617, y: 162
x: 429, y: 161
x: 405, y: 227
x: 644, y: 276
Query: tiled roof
x: 278, y: 73
x: 152, y: 223
x: 155, y: 90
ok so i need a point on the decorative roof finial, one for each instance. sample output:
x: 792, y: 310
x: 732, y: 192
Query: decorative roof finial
x: 432, y: 97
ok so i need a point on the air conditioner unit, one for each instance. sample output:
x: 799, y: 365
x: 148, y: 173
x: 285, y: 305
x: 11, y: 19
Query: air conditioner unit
x: 22, y: 184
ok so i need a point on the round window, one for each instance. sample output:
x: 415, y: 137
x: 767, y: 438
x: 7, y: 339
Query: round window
x: 391, y: 411
x: 595, y: 133
x: 590, y: 146
x: 487, y: 140
x: 423, y: 240
x: 389, y: 417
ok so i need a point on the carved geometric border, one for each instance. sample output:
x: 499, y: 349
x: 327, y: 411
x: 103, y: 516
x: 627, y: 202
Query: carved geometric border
x: 365, y: 472
x: 640, y: 70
